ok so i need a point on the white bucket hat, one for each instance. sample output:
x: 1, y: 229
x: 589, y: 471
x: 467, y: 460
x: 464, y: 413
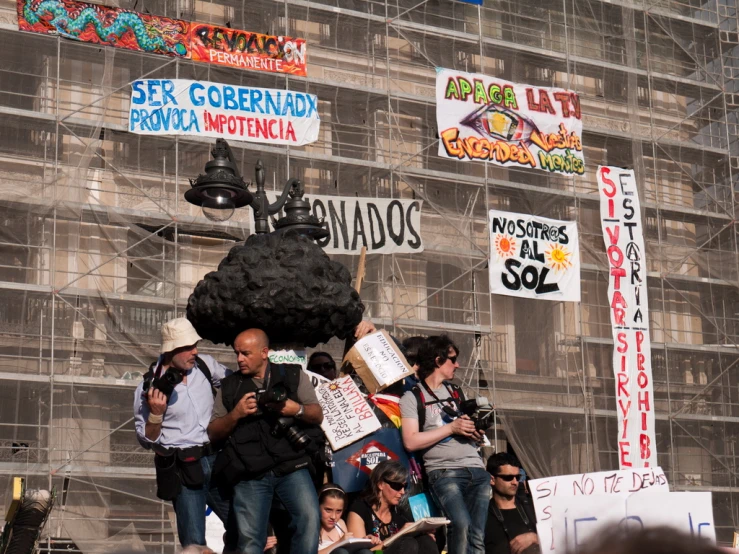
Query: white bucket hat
x: 177, y: 333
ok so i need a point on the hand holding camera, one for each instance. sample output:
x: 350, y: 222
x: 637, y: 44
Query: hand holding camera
x: 246, y: 406
x: 157, y: 401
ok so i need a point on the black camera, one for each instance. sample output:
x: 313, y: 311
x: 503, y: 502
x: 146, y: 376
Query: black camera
x: 477, y: 409
x: 273, y: 395
x: 165, y: 383
x: 285, y: 427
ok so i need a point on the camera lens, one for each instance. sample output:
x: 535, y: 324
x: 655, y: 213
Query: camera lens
x: 297, y: 437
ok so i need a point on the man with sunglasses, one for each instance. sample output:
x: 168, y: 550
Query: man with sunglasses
x: 432, y: 424
x: 511, y: 525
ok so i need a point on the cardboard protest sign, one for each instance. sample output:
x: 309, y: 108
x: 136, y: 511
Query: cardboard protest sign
x: 483, y: 118
x: 623, y: 234
x: 352, y: 465
x: 603, y: 483
x: 201, y: 108
x: 534, y: 257
x: 378, y: 361
x: 575, y: 520
x: 347, y: 417
x: 247, y: 50
x: 283, y: 356
x: 315, y: 379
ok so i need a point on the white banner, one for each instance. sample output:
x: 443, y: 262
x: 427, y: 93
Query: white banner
x: 296, y: 357
x: 623, y: 234
x: 576, y: 519
x: 488, y: 119
x: 184, y: 107
x: 604, y: 483
x: 534, y: 257
x: 383, y: 225
x: 347, y: 417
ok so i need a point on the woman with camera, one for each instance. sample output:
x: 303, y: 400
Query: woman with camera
x: 376, y: 512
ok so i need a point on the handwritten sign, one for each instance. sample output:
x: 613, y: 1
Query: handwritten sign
x: 576, y: 520
x: 296, y: 357
x: 202, y: 108
x: 347, y: 417
x: 613, y: 483
x: 487, y: 119
x: 377, y: 360
x: 623, y: 233
x: 315, y: 379
x: 534, y: 257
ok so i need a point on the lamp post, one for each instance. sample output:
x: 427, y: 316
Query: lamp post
x: 221, y: 189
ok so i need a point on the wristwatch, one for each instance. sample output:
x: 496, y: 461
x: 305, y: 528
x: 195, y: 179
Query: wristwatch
x: 300, y: 411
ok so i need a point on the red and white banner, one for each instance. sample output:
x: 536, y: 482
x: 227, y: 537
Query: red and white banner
x: 627, y: 299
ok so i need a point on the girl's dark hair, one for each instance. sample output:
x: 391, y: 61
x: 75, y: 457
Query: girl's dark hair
x: 331, y: 490
x: 389, y: 470
x: 436, y: 347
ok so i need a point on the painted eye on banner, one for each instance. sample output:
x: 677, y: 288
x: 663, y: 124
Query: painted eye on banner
x: 558, y: 257
x: 505, y: 246
x: 500, y: 123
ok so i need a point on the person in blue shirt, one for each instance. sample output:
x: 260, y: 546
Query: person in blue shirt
x: 175, y: 427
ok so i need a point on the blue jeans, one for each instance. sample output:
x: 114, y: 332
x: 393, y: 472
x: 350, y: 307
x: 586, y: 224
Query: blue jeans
x: 463, y: 495
x: 189, y: 506
x: 252, y: 501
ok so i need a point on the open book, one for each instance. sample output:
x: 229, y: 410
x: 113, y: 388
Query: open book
x: 421, y: 526
x: 351, y: 544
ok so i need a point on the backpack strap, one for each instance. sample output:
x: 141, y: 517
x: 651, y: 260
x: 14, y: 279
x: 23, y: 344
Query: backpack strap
x: 203, y: 367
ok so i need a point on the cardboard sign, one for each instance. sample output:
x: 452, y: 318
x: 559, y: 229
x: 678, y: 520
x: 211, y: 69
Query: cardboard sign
x: 315, y: 379
x: 378, y: 361
x: 488, y: 119
x: 604, y: 483
x: 575, y: 520
x: 347, y: 417
x: 247, y: 50
x: 283, y: 356
x: 534, y: 257
x: 202, y: 108
x: 623, y: 233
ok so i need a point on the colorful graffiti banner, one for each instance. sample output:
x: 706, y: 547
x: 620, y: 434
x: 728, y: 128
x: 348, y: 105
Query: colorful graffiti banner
x: 162, y: 35
x: 534, y: 257
x: 105, y: 26
x: 247, y: 50
x: 623, y: 233
x: 481, y: 118
x: 201, y: 108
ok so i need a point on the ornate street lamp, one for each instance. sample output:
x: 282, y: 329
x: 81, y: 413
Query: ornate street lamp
x: 221, y: 189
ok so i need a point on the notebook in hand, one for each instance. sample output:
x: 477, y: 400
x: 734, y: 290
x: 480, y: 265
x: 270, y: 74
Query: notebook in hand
x: 424, y: 525
x: 351, y: 544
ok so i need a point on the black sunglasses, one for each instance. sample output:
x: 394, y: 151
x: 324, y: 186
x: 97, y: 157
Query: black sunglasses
x: 395, y: 486
x: 509, y: 478
x: 326, y: 365
x: 452, y: 359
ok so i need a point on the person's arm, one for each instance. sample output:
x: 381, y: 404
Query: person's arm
x: 306, y: 393
x: 522, y: 542
x: 148, y: 414
x: 221, y: 426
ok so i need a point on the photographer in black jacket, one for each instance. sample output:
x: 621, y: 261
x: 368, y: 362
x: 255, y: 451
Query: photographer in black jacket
x: 265, y: 413
x: 511, y: 524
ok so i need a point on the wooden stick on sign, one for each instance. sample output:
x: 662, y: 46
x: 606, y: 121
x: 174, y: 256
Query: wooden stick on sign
x: 361, y: 269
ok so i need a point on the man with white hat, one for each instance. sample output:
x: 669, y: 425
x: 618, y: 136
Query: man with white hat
x: 172, y: 409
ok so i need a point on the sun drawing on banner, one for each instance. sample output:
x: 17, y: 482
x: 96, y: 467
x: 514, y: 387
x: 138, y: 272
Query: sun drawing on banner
x: 505, y: 246
x: 558, y: 257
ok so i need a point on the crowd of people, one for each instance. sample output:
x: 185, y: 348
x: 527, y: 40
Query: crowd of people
x: 248, y: 444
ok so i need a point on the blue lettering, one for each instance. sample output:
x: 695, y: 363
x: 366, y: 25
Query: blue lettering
x: 153, y: 89
x: 139, y: 94
x: 196, y: 100
x: 177, y: 120
x: 135, y: 117
x: 299, y: 105
x: 244, y: 99
x: 256, y: 100
x: 166, y: 118
x: 217, y: 100
x: 229, y: 98
x: 312, y: 108
x: 193, y: 122
x: 167, y: 90
x: 582, y: 519
x: 704, y: 524
x: 145, y: 121
x: 288, y: 105
x: 156, y: 122
x: 272, y: 106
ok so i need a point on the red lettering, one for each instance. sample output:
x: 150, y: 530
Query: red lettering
x: 222, y: 122
x: 575, y: 99
x: 639, y: 340
x: 611, y: 191
x: 241, y: 119
x: 617, y: 273
x: 644, y: 444
x: 211, y: 122
x: 623, y: 380
x: 614, y: 253
x: 624, y: 346
x: 640, y: 362
x: 530, y: 99
x: 613, y: 235
x: 619, y: 316
x: 271, y: 124
x: 250, y: 126
x: 564, y: 99
x: 261, y: 128
x: 611, y: 208
x: 231, y: 125
x: 625, y: 423
x: 365, y: 415
x: 290, y: 133
x: 624, y: 409
x: 643, y: 400
x: 642, y: 380
x: 545, y: 104
x: 623, y: 448
x: 644, y: 421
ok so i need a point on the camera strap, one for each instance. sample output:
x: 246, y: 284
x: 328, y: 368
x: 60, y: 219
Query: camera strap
x: 451, y: 400
x: 499, y: 517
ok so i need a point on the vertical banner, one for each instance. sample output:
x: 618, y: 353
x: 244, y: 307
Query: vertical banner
x: 534, y: 257
x: 627, y: 299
